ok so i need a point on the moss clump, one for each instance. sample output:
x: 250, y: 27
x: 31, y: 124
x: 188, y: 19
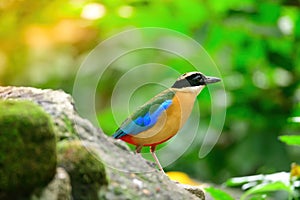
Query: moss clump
x: 27, y: 148
x: 65, y: 128
x: 87, y: 172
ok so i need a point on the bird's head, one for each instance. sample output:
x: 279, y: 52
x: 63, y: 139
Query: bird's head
x: 193, y: 79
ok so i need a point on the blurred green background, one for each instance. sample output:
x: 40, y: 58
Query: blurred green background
x: 255, y: 45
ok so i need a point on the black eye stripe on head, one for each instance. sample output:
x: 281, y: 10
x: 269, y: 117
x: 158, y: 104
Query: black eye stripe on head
x: 195, y: 79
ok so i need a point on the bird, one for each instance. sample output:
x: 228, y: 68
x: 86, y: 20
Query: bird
x: 164, y: 115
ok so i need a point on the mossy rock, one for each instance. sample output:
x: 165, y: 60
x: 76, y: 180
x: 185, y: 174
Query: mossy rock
x: 86, y: 171
x: 27, y: 149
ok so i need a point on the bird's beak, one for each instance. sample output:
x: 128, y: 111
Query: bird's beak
x: 210, y: 79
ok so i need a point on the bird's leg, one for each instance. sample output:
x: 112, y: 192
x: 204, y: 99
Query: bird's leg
x: 152, y: 149
x: 138, y: 148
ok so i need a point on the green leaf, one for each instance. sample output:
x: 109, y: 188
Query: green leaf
x: 291, y: 139
x: 266, y: 188
x: 218, y: 194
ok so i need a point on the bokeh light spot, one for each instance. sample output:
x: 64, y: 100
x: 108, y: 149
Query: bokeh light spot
x: 285, y: 25
x: 125, y: 11
x: 93, y: 11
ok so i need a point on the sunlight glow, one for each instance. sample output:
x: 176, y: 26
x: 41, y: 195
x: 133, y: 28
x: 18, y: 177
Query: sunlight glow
x: 93, y: 11
x: 295, y: 119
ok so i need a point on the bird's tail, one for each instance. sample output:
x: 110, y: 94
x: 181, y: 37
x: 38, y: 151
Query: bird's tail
x: 118, y: 134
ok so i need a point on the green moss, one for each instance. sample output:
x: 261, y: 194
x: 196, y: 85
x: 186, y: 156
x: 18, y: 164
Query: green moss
x: 27, y: 150
x: 69, y: 125
x: 65, y: 128
x: 87, y: 172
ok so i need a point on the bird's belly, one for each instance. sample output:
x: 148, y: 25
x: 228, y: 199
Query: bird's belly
x: 168, y: 123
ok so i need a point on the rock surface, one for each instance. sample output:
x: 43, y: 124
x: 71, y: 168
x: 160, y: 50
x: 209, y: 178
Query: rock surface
x: 59, y: 188
x: 128, y: 176
x: 196, y: 190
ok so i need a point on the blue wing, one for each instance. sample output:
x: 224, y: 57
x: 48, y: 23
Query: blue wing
x: 146, y: 116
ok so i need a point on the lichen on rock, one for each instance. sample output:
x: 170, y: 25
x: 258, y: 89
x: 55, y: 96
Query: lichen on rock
x: 27, y: 150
